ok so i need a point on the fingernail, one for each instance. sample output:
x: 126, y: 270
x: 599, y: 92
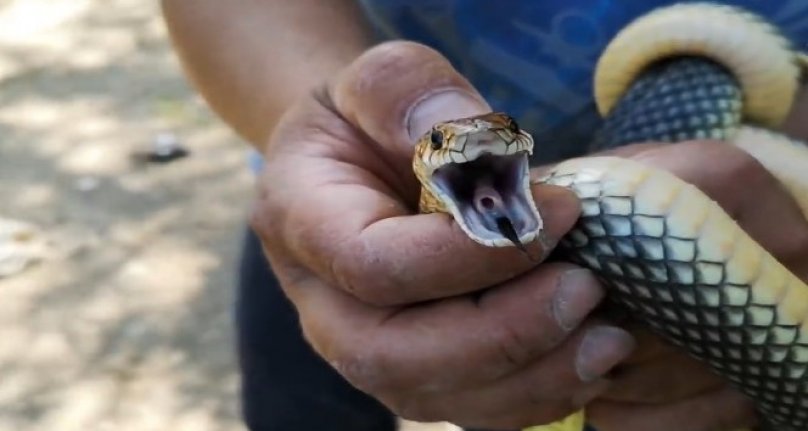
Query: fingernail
x: 577, y: 294
x: 602, y: 348
x: 560, y: 209
x: 442, y: 105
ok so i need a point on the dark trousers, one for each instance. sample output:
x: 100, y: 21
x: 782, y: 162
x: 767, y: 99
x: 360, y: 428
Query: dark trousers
x: 285, y: 385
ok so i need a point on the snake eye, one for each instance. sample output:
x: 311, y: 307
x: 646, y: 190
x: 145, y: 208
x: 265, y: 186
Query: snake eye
x: 513, y: 126
x: 436, y: 138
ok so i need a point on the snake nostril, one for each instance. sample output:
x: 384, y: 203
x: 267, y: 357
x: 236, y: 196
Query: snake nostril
x: 487, y: 202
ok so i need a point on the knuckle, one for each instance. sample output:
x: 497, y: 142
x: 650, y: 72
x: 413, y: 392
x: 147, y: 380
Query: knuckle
x: 358, y: 273
x: 361, y: 370
x: 520, y: 338
x: 367, y: 366
x: 260, y: 215
x: 269, y: 207
x: 514, y: 347
x: 360, y: 269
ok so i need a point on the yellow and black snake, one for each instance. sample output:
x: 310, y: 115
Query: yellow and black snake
x: 669, y: 255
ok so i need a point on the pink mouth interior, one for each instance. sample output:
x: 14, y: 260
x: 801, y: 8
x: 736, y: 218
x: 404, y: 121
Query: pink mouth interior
x: 489, y: 195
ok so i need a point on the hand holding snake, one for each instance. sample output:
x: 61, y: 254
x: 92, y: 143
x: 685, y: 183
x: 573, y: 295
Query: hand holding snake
x: 413, y: 312
x: 394, y: 301
x: 671, y: 256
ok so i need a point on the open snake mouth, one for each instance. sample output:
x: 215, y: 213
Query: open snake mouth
x: 491, y: 194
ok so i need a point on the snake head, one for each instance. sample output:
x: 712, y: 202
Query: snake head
x: 477, y: 170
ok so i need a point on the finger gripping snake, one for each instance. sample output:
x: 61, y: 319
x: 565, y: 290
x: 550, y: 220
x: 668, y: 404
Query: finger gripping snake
x: 668, y: 254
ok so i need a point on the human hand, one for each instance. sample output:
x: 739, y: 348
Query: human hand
x: 660, y: 387
x: 405, y: 306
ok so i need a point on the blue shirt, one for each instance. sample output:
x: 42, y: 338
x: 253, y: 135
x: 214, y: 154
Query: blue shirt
x: 535, y: 59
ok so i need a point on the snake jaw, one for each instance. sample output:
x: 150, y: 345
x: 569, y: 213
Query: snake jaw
x: 490, y: 199
x: 481, y: 176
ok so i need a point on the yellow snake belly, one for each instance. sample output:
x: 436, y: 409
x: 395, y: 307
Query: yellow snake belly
x: 669, y: 254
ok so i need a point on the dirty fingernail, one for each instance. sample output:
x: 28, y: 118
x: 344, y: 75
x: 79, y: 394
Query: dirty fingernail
x: 440, y: 106
x: 602, y: 348
x: 559, y: 208
x: 577, y: 294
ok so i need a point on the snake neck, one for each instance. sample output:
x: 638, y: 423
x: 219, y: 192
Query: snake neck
x: 429, y: 203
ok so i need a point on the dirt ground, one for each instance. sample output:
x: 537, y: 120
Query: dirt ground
x: 123, y: 323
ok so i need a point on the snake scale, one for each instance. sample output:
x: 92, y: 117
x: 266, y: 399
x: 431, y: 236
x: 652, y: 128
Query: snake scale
x: 668, y: 254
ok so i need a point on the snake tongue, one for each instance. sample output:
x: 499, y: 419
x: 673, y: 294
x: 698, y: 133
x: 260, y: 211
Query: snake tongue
x: 489, y: 204
x: 506, y: 228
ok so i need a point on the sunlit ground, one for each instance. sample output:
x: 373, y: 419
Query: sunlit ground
x: 125, y: 324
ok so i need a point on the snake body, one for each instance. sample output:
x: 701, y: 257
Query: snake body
x: 670, y: 256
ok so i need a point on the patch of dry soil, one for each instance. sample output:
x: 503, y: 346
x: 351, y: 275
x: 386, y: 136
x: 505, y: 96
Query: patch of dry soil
x: 125, y: 325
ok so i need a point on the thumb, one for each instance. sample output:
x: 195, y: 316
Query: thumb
x: 396, y: 91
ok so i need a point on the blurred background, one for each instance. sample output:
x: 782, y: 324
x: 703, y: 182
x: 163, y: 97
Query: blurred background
x: 116, y: 272
x: 117, y: 275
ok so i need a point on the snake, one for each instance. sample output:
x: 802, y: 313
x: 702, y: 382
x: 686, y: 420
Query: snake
x: 668, y: 254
